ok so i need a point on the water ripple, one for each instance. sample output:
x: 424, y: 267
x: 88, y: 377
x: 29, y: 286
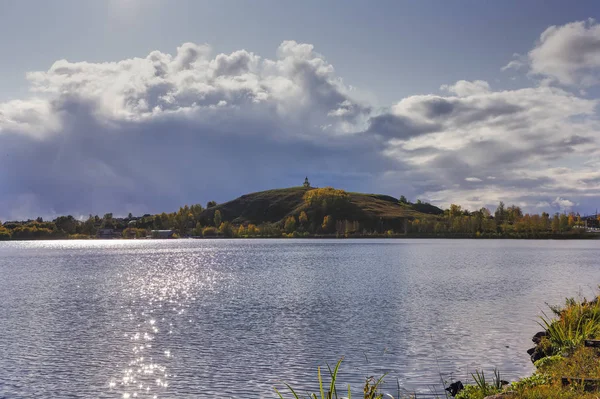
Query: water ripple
x: 194, y: 318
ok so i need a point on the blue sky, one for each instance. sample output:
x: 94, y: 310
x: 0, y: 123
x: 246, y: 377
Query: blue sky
x: 392, y: 49
x: 372, y: 104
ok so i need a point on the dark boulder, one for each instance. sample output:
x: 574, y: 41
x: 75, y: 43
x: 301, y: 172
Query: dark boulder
x: 537, y: 355
x: 537, y: 338
x: 455, y: 388
x: 530, y: 351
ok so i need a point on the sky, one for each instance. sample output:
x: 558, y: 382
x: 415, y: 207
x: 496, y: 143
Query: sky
x: 145, y: 105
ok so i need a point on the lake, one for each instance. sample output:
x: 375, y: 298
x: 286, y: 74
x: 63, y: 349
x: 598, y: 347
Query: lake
x: 233, y: 318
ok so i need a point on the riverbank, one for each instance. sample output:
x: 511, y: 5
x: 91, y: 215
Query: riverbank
x: 120, y: 236
x: 566, y: 357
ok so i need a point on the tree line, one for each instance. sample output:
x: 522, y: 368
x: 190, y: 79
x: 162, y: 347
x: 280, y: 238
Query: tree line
x: 325, y: 212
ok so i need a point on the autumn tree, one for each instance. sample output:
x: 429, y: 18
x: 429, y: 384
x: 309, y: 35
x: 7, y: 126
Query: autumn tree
x: 4, y: 233
x: 182, y: 219
x: 290, y: 225
x: 328, y: 224
x: 251, y: 230
x: 303, y: 219
x: 225, y: 229
x: 513, y: 214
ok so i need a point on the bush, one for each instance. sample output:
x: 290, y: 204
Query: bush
x: 226, y: 229
x: 79, y: 237
x: 4, y: 233
x: 534, y: 380
x: 209, y: 232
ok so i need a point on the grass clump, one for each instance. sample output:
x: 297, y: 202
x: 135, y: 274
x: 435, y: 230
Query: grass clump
x: 567, y: 358
x: 576, y: 322
x: 371, y: 388
x: 483, y: 387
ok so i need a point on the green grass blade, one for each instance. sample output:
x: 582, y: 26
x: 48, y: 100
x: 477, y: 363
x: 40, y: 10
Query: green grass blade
x: 321, y: 384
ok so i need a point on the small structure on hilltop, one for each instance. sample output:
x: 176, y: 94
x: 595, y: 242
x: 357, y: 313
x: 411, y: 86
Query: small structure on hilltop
x: 306, y: 182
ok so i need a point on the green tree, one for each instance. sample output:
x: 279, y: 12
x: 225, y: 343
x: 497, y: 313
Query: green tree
x: 564, y: 222
x: 217, y: 218
x: 500, y: 214
x: 89, y: 226
x: 107, y: 221
x: 403, y: 200
x: 211, y: 204
x: 68, y: 224
x: 556, y: 223
x: 198, y: 230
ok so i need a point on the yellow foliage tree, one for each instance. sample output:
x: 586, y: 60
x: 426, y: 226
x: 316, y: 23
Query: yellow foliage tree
x: 325, y: 196
x: 290, y: 224
x: 303, y: 218
x: 328, y: 224
x: 252, y: 230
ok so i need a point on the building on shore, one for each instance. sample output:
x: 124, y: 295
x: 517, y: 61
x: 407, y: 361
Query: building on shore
x: 108, y: 233
x: 162, y: 233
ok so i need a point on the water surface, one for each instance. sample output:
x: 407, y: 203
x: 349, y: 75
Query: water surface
x: 233, y: 318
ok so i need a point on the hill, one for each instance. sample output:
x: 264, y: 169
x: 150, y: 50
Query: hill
x: 274, y: 206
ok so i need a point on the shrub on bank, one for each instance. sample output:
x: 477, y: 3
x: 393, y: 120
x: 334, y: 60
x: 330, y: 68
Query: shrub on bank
x: 209, y: 232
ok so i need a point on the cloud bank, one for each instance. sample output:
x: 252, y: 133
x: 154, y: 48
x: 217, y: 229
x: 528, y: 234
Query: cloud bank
x: 150, y: 134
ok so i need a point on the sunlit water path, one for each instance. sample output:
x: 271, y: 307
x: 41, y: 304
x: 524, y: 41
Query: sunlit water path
x: 233, y: 318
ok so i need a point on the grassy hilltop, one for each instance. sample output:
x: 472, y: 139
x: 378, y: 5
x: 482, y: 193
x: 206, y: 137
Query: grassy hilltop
x: 275, y: 206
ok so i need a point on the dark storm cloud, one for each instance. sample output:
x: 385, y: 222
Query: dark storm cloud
x: 163, y: 163
x: 392, y: 126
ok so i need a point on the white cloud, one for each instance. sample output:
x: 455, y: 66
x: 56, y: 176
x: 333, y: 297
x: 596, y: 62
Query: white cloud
x: 464, y: 88
x: 519, y: 61
x: 568, y: 54
x: 514, y: 137
x: 299, y: 84
x: 563, y: 203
